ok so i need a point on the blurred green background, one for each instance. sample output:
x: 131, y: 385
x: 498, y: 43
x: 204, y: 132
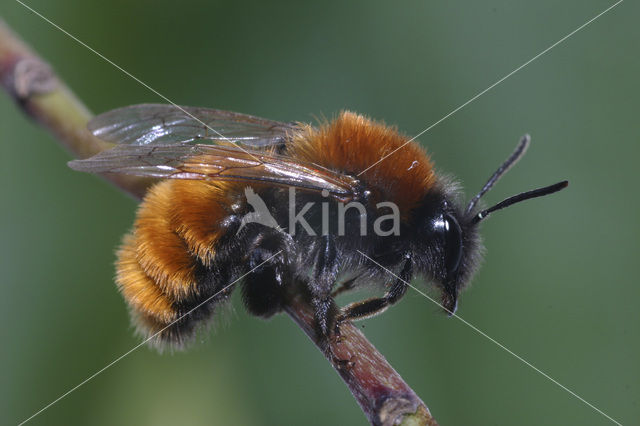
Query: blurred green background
x: 558, y: 285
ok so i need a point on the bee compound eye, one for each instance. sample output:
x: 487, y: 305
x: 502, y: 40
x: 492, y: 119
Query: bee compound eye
x: 453, y: 244
x: 450, y: 234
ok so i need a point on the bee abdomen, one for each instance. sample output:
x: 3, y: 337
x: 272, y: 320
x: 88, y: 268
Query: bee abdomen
x: 161, y: 269
x: 151, y: 309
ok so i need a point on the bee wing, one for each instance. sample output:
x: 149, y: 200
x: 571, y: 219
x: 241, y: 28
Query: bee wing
x: 217, y: 162
x: 158, y: 124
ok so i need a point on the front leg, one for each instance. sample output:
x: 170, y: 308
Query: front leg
x: 326, y: 271
x: 370, y: 307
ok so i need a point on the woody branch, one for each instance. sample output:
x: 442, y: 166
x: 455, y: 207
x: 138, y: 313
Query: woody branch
x: 379, y: 390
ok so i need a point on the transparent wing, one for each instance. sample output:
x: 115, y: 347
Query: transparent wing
x: 217, y: 162
x: 158, y: 124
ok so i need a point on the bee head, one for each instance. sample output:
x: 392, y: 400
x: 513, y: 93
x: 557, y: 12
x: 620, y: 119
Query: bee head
x: 447, y: 245
x: 448, y: 239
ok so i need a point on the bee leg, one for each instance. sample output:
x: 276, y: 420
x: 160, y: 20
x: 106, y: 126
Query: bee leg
x: 263, y: 288
x: 371, y: 307
x: 344, y: 287
x: 325, y: 310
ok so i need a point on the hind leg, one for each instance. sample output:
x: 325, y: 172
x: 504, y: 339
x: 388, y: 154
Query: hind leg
x: 262, y: 291
x: 263, y: 288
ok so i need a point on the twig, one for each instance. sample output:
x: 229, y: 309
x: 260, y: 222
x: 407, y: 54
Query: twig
x: 380, y: 391
x: 382, y: 394
x: 39, y: 93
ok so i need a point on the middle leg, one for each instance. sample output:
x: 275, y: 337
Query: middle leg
x: 326, y: 271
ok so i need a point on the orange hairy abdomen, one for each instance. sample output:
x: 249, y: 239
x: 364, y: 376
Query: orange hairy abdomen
x: 173, y: 240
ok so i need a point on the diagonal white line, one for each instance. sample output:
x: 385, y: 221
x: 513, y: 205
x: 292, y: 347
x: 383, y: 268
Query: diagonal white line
x: 135, y: 78
x: 500, y: 345
x: 140, y: 344
x: 494, y: 85
x: 373, y: 165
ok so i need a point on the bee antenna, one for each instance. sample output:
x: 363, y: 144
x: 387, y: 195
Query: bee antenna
x: 540, y: 192
x: 509, y: 162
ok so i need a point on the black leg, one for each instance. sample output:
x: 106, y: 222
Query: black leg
x: 263, y: 288
x: 370, y: 307
x: 262, y: 291
x: 325, y: 311
x: 344, y: 287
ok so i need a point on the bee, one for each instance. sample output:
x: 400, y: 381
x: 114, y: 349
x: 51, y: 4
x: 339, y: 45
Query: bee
x: 202, y: 226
